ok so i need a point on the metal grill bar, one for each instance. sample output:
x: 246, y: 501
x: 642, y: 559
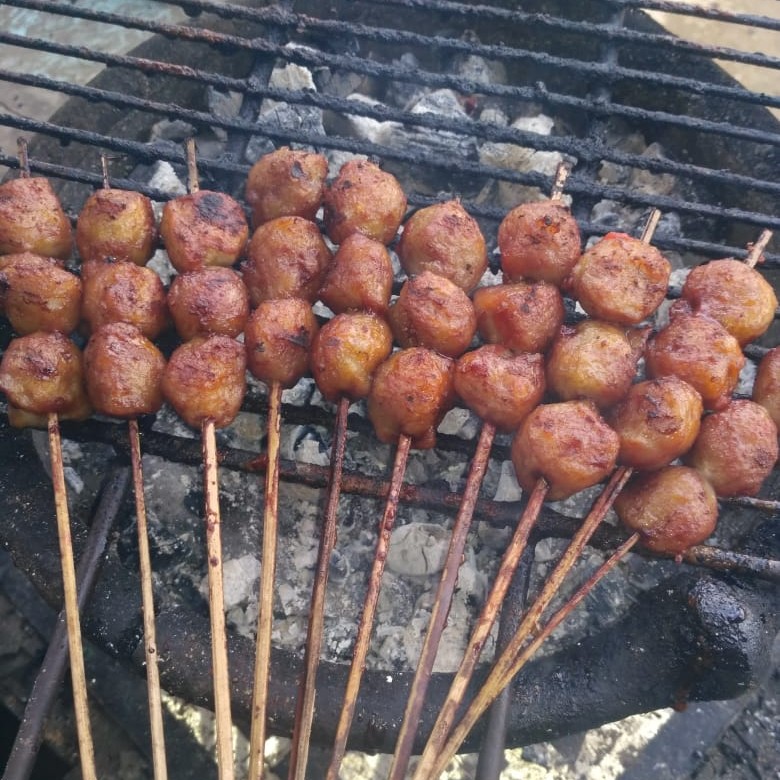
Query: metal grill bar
x: 714, y: 13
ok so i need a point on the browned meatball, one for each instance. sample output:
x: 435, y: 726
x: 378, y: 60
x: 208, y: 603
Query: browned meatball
x: 568, y: 444
x: 287, y: 258
x: 538, y: 241
x: 594, y: 360
x: 123, y: 371
x: 433, y: 312
x: 211, y: 300
x: 524, y: 316
x: 499, y: 385
x: 734, y: 294
x: 411, y: 392
x: 205, y: 379
x: 36, y: 294
x: 117, y: 225
x: 278, y: 336
x: 124, y: 292
x: 346, y: 352
x: 736, y: 449
x: 203, y: 228
x: 360, y: 276
x: 445, y: 239
x: 286, y: 183
x: 657, y: 421
x: 672, y: 509
x: 32, y: 219
x: 43, y: 373
x: 766, y: 389
x: 363, y: 199
x: 620, y: 279
x: 697, y: 349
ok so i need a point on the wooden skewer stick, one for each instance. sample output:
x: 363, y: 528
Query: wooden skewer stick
x: 307, y: 689
x: 369, y: 608
x: 757, y: 249
x: 266, y: 600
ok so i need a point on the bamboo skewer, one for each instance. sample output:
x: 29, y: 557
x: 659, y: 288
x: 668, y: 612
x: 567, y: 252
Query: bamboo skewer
x: 369, y: 608
x: 307, y: 689
x: 756, y: 250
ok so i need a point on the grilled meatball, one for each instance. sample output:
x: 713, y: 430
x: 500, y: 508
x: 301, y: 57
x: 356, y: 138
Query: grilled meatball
x: 500, y: 386
x: 124, y: 292
x: 346, y: 352
x: 287, y: 258
x: 360, y: 276
x: 657, y: 421
x: 766, y: 388
x: 43, y: 373
x: 697, y: 349
x: 363, y: 199
x: 568, y: 444
x: 595, y: 360
x: 734, y: 294
x: 620, y: 279
x: 36, y: 294
x: 524, y: 316
x: 32, y: 219
x: 205, y: 379
x: 736, y: 449
x: 433, y: 312
x: 411, y: 392
x: 123, y: 371
x: 203, y: 228
x: 538, y: 241
x: 672, y: 508
x: 211, y: 300
x: 445, y: 239
x: 278, y: 336
x: 286, y: 183
x: 116, y: 225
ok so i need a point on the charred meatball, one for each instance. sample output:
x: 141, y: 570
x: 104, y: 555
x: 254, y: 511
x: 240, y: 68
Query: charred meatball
x: 766, y: 389
x: 363, y: 199
x: 116, y: 225
x: 433, y: 312
x: 446, y: 240
x: 286, y: 183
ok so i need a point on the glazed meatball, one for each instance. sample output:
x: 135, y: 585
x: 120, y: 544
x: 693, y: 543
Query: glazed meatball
x: 32, y: 219
x: 657, y: 421
x: 360, y: 276
x: 43, y: 373
x: 211, y: 300
x: 363, y: 199
x: 538, y: 241
x: 123, y: 372
x: 697, y: 349
x: 287, y: 258
x: 205, y: 379
x: 203, y: 228
x: 36, y: 294
x: 446, y: 240
x: 411, y: 392
x: 736, y: 449
x: 766, y: 388
x: 117, y: 225
x: 568, y: 444
x: 433, y: 312
x: 346, y: 352
x: 124, y: 292
x: 524, y: 316
x: 278, y: 337
x: 593, y: 360
x: 672, y: 509
x: 620, y: 279
x: 500, y: 386
x: 286, y: 183
x: 734, y: 294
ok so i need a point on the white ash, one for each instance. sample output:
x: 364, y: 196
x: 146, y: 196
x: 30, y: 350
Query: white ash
x: 418, y: 549
x: 165, y: 179
x: 508, y: 488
